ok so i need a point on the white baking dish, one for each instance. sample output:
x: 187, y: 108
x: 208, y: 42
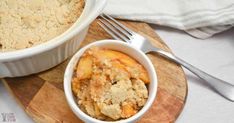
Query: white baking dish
x: 47, y: 55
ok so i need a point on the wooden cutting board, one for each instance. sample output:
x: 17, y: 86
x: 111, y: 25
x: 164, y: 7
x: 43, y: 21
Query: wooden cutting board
x: 42, y: 97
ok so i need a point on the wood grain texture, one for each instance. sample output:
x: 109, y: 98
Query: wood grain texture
x: 42, y: 96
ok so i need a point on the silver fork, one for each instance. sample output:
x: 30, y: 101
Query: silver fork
x: 121, y: 32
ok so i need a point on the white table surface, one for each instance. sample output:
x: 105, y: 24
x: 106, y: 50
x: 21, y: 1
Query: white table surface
x: 214, y: 55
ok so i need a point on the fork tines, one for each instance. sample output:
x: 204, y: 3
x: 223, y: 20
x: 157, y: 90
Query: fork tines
x: 115, y: 28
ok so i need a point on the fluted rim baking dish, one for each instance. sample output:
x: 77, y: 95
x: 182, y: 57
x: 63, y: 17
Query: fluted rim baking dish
x: 87, y: 16
x: 49, y: 54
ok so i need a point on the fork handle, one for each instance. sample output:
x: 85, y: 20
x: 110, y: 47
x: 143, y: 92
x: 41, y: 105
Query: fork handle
x: 224, y: 88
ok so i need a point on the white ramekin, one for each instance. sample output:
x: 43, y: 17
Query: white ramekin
x: 118, y: 46
x: 47, y: 55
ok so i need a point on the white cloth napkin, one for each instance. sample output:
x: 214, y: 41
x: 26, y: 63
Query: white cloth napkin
x: 200, y: 18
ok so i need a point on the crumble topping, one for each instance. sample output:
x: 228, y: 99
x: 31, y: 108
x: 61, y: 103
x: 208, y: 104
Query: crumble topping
x: 26, y: 23
x: 109, y: 85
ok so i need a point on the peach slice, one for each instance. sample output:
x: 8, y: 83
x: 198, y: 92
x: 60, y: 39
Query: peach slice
x: 128, y: 110
x: 120, y: 66
x: 125, y: 60
x: 84, y: 68
x: 75, y: 85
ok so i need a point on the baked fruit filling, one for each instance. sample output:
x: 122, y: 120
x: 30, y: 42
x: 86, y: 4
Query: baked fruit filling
x: 109, y: 85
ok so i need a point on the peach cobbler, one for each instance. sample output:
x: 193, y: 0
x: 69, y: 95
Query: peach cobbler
x: 109, y: 85
x: 26, y: 23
